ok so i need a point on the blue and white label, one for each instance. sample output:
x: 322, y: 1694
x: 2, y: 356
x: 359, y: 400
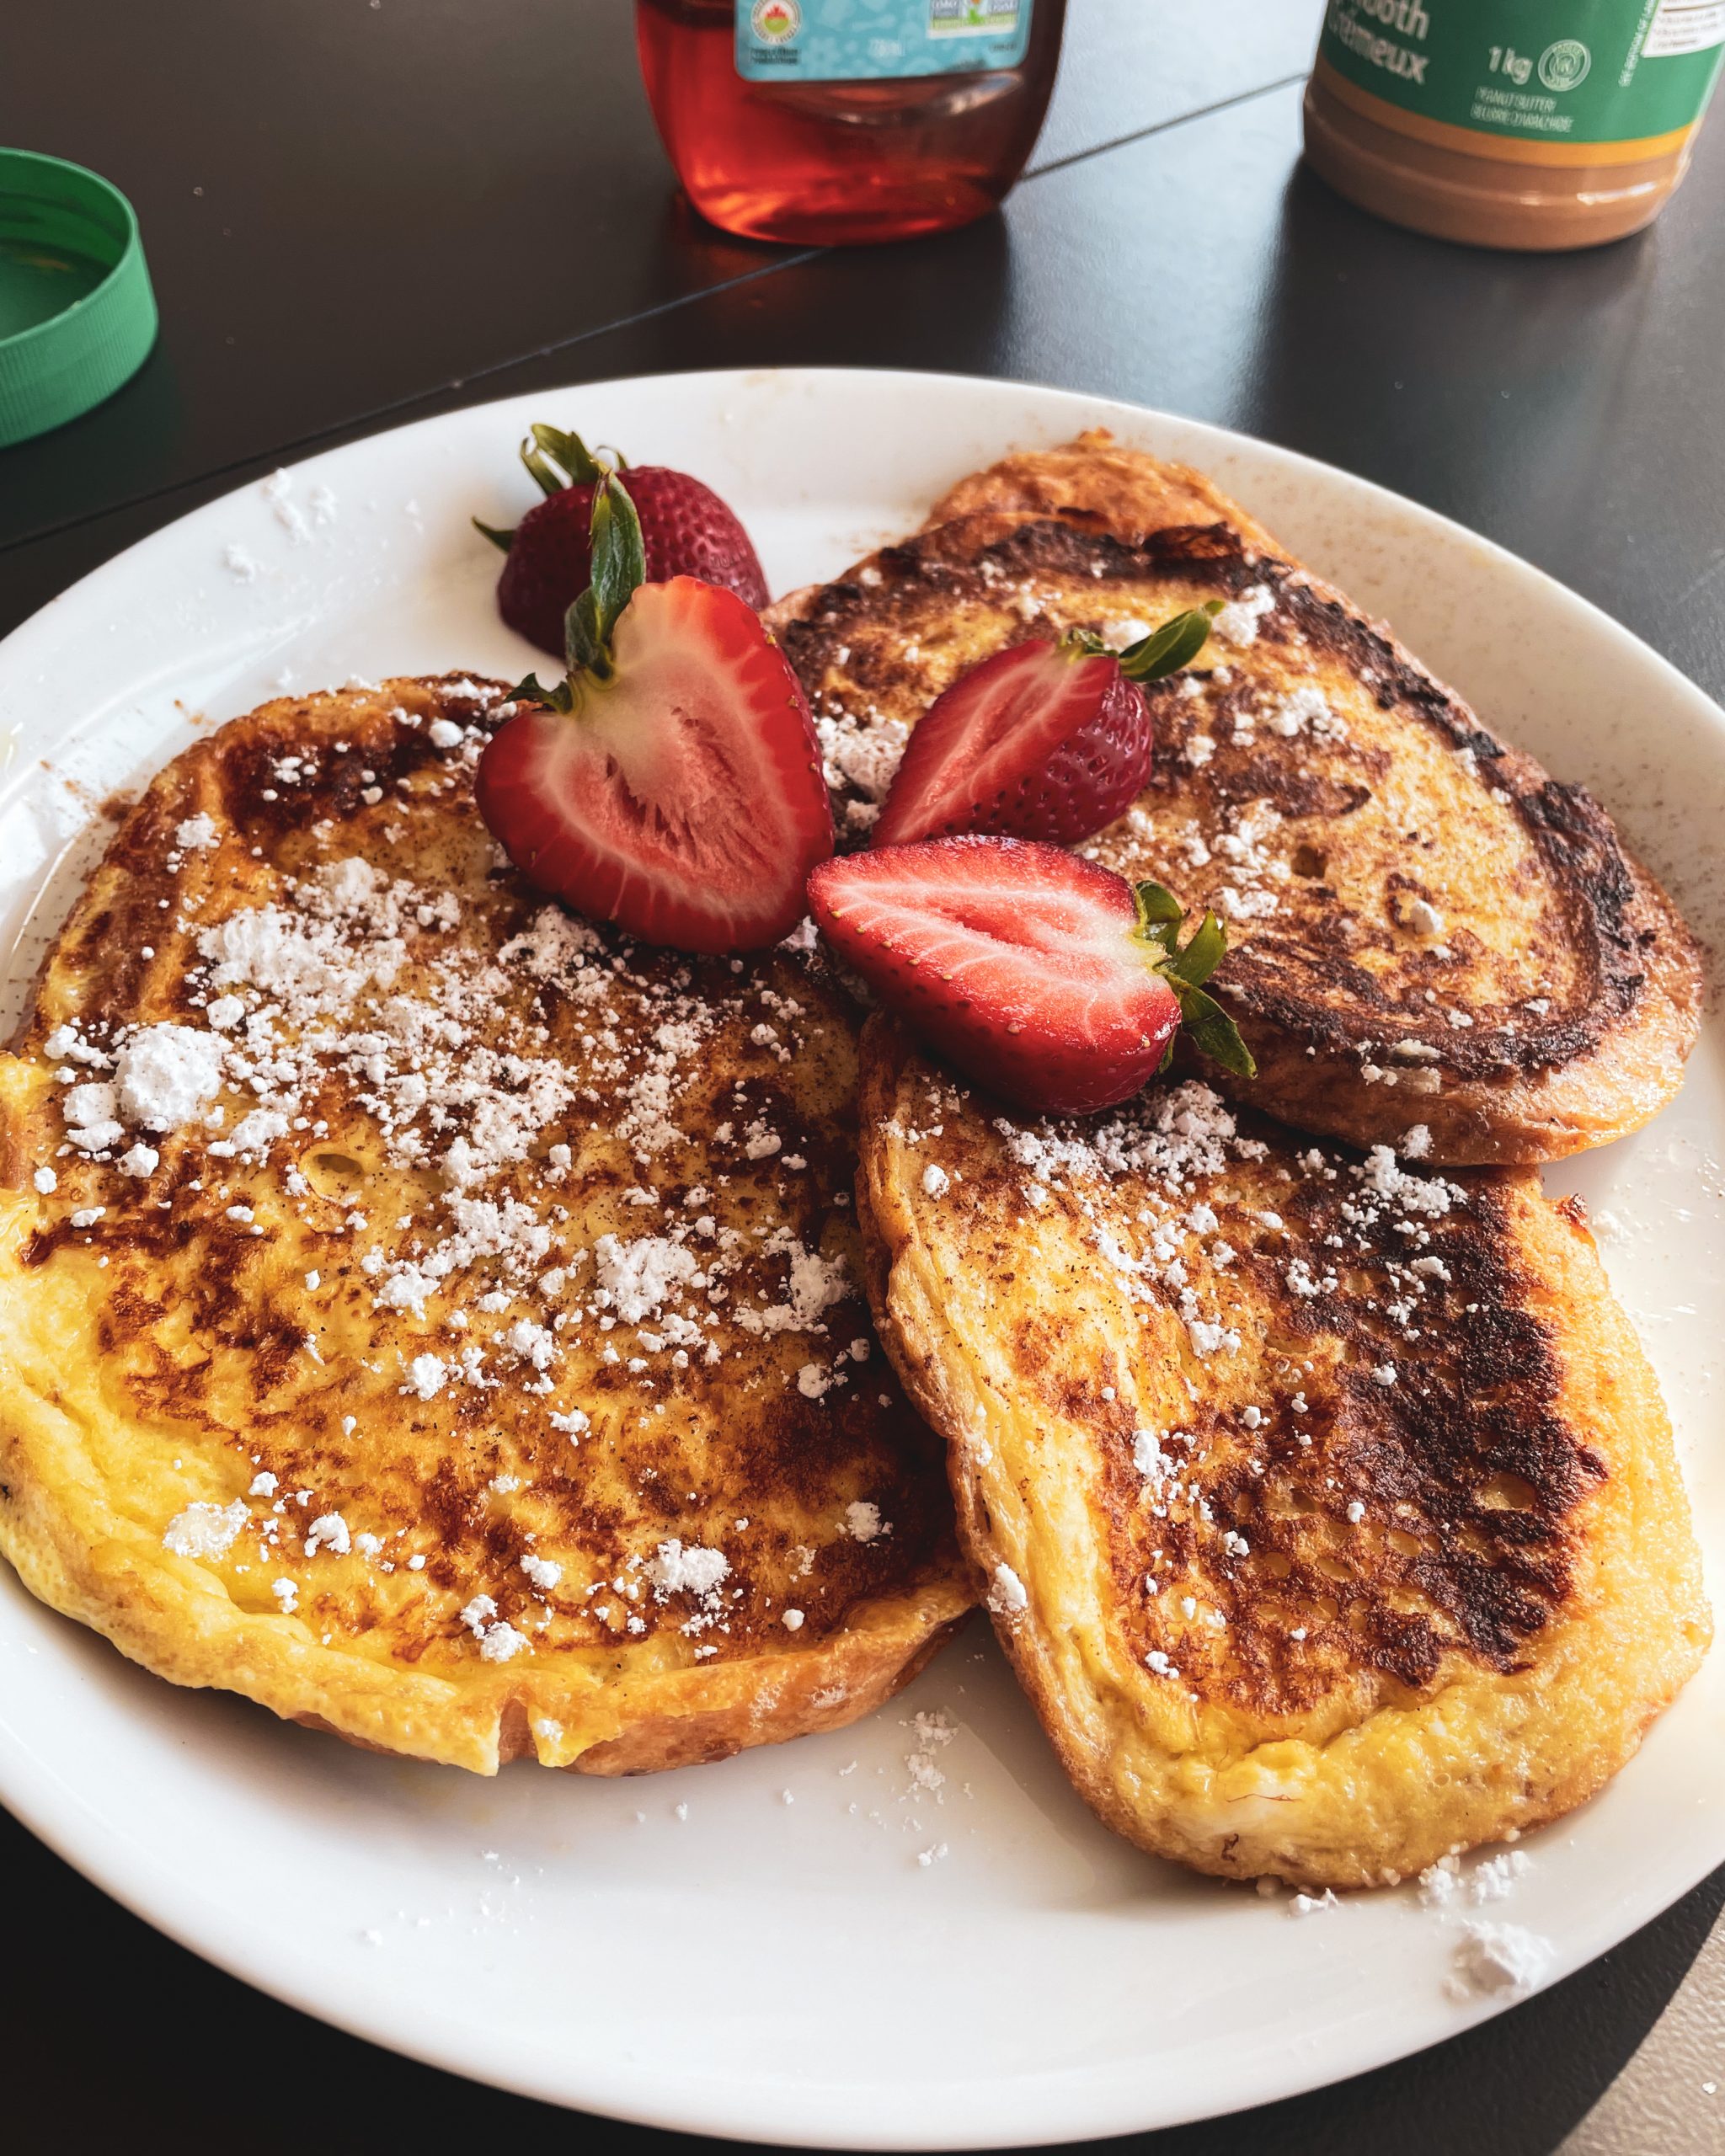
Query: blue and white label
x: 876, y: 40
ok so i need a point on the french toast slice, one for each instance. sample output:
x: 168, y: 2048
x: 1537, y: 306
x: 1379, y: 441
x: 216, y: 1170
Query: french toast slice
x: 425, y: 1313
x: 1422, y: 926
x: 1325, y: 1504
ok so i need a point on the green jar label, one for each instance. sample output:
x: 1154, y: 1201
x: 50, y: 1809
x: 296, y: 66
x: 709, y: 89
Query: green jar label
x: 875, y: 41
x: 1549, y: 73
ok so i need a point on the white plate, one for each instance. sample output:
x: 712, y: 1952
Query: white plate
x: 755, y: 1949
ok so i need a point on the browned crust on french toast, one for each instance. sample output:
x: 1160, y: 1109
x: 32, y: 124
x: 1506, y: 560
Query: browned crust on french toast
x: 98, y: 1414
x: 835, y: 1682
x: 1092, y: 478
x: 1573, y: 1032
x: 1520, y: 1595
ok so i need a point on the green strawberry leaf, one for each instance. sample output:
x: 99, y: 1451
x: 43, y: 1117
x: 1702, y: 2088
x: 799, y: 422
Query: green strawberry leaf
x: 560, y: 696
x: 619, y: 556
x: 1175, y: 644
x: 619, y: 570
x: 557, y: 460
x: 1203, y: 952
x: 1213, y: 1031
x: 583, y: 648
x: 504, y: 540
x: 1160, y: 920
x: 1159, y: 914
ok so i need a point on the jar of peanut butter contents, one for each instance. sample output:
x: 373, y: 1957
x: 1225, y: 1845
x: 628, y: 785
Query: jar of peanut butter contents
x: 1512, y: 123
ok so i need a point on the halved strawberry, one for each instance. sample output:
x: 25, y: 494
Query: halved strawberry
x: 671, y: 781
x: 686, y: 531
x: 1046, y: 977
x: 1045, y: 741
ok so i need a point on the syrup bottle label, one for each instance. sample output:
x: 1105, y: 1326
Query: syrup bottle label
x: 874, y: 40
x: 1557, y: 82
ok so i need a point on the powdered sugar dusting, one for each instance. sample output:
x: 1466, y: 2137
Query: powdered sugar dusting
x: 166, y: 1073
x: 1239, y: 621
x: 205, y: 1530
x: 1196, y: 1228
x: 638, y: 1276
x: 484, y: 1124
x: 860, y: 757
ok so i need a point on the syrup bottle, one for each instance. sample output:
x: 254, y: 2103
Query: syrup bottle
x: 818, y: 122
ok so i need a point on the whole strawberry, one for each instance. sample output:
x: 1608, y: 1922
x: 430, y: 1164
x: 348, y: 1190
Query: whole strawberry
x: 1045, y: 977
x: 686, y: 530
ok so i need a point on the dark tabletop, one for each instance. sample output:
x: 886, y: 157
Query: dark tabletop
x: 358, y: 213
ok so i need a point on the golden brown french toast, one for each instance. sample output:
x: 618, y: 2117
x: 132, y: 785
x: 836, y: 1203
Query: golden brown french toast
x: 1424, y: 926
x: 1325, y: 1503
x: 430, y: 1316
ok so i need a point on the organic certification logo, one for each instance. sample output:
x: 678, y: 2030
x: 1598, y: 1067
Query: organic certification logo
x: 773, y: 21
x: 1565, y: 64
x: 971, y: 18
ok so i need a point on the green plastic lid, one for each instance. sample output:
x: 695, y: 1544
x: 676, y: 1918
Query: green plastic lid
x: 76, y: 314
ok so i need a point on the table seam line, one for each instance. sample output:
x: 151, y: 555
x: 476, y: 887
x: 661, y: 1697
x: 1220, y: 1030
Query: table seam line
x: 1161, y: 127
x: 305, y: 444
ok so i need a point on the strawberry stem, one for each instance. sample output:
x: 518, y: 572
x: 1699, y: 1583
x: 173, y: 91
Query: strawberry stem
x: 619, y: 570
x: 558, y: 460
x: 1184, y: 968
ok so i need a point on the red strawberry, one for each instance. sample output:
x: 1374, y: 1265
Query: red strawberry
x: 671, y: 781
x: 1045, y: 976
x: 687, y: 528
x: 1044, y: 740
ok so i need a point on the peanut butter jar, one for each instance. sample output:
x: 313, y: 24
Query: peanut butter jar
x: 1531, y: 124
